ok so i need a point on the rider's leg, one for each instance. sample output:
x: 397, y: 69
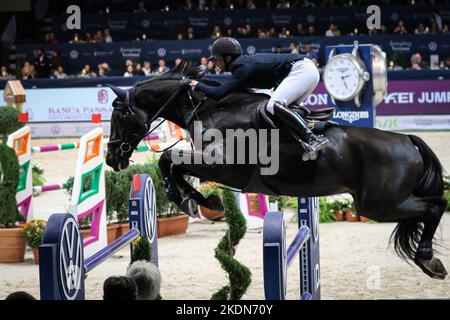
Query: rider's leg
x: 301, y: 81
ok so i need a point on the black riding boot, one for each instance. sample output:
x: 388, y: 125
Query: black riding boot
x: 299, y: 127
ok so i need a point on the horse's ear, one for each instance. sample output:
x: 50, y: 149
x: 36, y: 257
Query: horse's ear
x: 120, y: 93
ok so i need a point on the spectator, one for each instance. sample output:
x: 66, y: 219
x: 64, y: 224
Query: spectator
x: 76, y: 38
x: 86, y: 72
x: 98, y: 36
x: 300, y: 30
x: 283, y: 4
x: 141, y: 7
x: 89, y: 38
x: 285, y: 33
x: 217, y: 70
x: 250, y: 4
x: 434, y: 28
x: 229, y: 32
x: 216, y: 32
x: 146, y: 69
x: 28, y: 71
x: 417, y: 63
x: 311, y: 31
x: 119, y: 288
x: 204, y: 61
x: 445, y: 28
x: 310, y: 54
x: 138, y: 70
x: 147, y: 278
x: 162, y: 68
x: 128, y: 71
x: 294, y: 47
x: 333, y: 31
x: 128, y: 62
x: 4, y: 74
x: 400, y: 28
x: 421, y: 29
x: 108, y: 38
x: 278, y: 49
x: 188, y: 5
x: 210, y: 67
x: 56, y: 59
x: 59, y: 73
x: 41, y: 64
x: 190, y: 33
x: 178, y: 61
x: 20, y: 296
x: 180, y: 36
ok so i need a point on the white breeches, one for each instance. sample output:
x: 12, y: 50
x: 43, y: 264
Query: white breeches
x: 297, y: 86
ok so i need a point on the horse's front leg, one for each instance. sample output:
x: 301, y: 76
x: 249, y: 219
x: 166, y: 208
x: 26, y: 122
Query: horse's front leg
x: 178, y: 163
x: 165, y: 165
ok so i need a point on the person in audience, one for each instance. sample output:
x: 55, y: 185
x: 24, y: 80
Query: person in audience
x: 4, y: 73
x: 76, y: 38
x: 210, y: 67
x: 28, y: 71
x: 86, y: 72
x: 417, y: 63
x: 59, y: 73
x: 108, y: 38
x: 421, y: 29
x: 216, y: 32
x: 333, y: 31
x: 41, y: 64
x: 146, y: 69
x: 310, y: 54
x: 180, y: 36
x: 188, y: 5
x: 138, y: 70
x: 400, y: 28
x: 141, y: 7
x: 250, y: 5
x: 119, y: 288
x: 147, y: 278
x: 445, y: 28
x: 178, y: 61
x: 204, y: 61
x: 56, y: 59
x: 128, y: 71
x: 294, y: 47
x: 162, y: 68
x: 311, y: 31
x: 283, y: 4
x: 98, y: 36
x: 300, y: 30
x: 20, y: 296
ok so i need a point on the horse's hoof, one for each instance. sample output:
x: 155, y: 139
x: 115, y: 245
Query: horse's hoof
x: 190, y: 207
x: 214, y: 203
x: 432, y: 267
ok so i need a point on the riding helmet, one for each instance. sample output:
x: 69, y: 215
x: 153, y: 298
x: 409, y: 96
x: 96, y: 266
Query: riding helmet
x: 225, y: 46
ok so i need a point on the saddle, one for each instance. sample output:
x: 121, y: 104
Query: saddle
x: 318, y: 119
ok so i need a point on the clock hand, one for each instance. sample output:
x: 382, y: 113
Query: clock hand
x: 345, y: 83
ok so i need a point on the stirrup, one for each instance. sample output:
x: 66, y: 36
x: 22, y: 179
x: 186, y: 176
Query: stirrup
x: 312, y: 149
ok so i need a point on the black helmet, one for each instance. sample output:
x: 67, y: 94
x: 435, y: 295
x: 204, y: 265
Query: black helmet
x: 224, y: 46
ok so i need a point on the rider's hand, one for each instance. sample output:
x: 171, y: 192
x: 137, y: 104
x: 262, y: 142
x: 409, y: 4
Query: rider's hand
x: 193, y: 84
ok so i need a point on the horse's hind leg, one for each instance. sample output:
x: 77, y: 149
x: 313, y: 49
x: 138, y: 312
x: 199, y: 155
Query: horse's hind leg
x: 418, y: 219
x: 424, y: 258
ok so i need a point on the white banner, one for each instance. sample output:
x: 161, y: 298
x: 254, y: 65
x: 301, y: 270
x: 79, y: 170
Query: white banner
x: 413, y: 122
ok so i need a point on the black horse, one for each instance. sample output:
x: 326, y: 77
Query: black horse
x: 392, y: 177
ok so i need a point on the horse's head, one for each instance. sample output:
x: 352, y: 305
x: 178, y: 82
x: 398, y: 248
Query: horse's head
x: 134, y: 110
x: 129, y: 124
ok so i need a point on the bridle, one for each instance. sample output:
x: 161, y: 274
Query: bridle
x: 127, y: 108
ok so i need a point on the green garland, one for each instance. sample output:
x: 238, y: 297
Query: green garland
x: 238, y: 274
x: 9, y: 179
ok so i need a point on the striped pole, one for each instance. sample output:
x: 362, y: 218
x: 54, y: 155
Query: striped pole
x: 47, y: 187
x: 56, y: 147
x: 153, y: 136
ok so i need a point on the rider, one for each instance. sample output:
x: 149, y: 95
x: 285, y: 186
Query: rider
x: 293, y: 75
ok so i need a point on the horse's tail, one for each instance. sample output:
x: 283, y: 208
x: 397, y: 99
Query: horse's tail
x: 406, y: 236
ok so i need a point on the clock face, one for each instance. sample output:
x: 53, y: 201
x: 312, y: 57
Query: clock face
x: 342, y: 78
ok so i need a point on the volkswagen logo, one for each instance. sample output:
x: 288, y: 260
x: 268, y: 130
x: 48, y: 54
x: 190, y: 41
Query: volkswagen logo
x: 161, y: 52
x: 251, y: 50
x: 432, y: 46
x: 74, y: 54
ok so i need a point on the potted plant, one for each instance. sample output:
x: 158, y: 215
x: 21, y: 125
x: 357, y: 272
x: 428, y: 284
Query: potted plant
x: 33, y: 232
x: 12, y: 242
x: 171, y: 222
x: 112, y: 229
x: 211, y: 189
